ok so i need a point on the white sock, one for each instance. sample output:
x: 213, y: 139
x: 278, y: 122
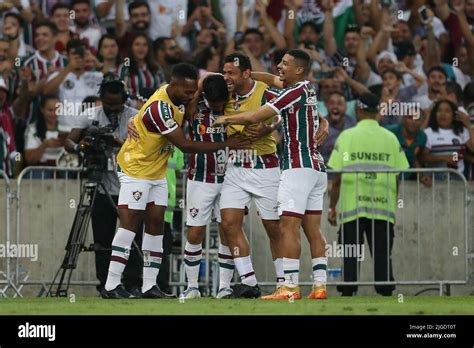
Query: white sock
x: 120, y: 252
x: 226, y: 266
x: 280, y: 279
x: 320, y: 265
x: 192, y: 262
x: 245, y: 269
x: 291, y: 268
x: 152, y: 248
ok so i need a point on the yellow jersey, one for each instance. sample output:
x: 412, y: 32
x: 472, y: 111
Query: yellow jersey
x: 147, y: 157
x: 265, y: 147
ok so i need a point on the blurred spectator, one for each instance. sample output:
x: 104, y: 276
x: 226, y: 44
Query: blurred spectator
x: 167, y: 53
x: 21, y: 7
x: 6, y: 68
x: 141, y: 71
x: 412, y: 138
x: 43, y: 142
x: 83, y: 26
x: 73, y: 83
x: 167, y: 15
x: 108, y: 12
x: 61, y: 16
x: 207, y: 59
x: 338, y: 121
x: 45, y: 60
x: 139, y: 13
x: 199, y: 20
x: 108, y: 54
x: 7, y: 132
x: 437, y: 78
x: 13, y: 31
x: 449, y: 133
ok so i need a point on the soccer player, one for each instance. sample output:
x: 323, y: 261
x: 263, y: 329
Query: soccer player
x: 253, y: 174
x: 142, y: 170
x: 203, y: 188
x: 303, y: 179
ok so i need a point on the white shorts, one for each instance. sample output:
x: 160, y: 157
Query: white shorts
x: 301, y: 192
x: 243, y: 184
x: 202, y: 202
x: 137, y: 193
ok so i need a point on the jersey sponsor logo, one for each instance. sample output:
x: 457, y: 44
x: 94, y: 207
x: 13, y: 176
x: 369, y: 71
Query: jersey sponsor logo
x: 137, y: 195
x: 370, y: 156
x: 210, y: 130
x: 194, y: 212
x: 312, y: 100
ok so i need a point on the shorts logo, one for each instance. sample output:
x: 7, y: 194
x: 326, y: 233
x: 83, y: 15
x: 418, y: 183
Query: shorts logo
x: 194, y: 212
x: 137, y: 195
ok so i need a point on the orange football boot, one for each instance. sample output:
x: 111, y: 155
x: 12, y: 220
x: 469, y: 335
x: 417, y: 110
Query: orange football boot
x: 318, y: 292
x: 284, y: 293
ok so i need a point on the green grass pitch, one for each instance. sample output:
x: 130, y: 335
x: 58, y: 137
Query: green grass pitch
x: 361, y: 305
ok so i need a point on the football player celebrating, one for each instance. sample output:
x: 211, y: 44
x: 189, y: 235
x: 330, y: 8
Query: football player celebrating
x: 303, y: 179
x: 142, y: 167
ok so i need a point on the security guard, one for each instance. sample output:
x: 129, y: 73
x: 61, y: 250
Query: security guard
x: 368, y: 200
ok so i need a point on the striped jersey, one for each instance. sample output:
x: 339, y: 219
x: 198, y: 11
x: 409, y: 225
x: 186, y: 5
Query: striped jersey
x: 207, y: 167
x: 39, y: 67
x: 300, y: 122
x: 262, y: 153
x: 446, y: 142
x: 143, y: 79
x: 147, y: 157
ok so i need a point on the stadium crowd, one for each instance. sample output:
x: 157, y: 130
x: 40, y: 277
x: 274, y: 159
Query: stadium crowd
x: 417, y: 56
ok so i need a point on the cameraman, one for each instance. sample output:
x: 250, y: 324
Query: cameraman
x: 104, y: 216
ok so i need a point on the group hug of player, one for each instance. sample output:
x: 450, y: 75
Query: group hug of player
x: 231, y: 118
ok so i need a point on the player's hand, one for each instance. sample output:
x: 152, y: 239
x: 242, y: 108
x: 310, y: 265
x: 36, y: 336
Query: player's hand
x: 238, y: 142
x: 255, y: 132
x: 323, y: 132
x: 426, y: 180
x: 132, y: 130
x: 221, y: 120
x: 332, y: 217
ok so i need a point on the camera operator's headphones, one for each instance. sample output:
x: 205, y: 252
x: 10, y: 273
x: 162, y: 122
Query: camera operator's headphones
x: 111, y: 79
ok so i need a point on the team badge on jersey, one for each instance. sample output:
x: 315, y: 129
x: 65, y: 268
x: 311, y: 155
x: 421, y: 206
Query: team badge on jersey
x: 137, y: 195
x: 194, y: 212
x: 236, y: 106
x: 68, y: 84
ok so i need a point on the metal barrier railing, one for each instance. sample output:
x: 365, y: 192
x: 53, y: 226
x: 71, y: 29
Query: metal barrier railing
x: 8, y: 281
x: 411, y: 241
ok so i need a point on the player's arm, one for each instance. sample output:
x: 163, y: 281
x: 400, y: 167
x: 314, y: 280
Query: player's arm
x: 269, y: 79
x: 323, y: 130
x: 257, y: 132
x: 178, y: 139
x: 246, y: 118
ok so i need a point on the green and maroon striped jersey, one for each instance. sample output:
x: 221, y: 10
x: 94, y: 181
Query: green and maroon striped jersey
x: 207, y: 167
x: 143, y: 79
x: 297, y: 106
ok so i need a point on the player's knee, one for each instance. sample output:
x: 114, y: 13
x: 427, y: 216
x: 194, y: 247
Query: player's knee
x: 196, y: 234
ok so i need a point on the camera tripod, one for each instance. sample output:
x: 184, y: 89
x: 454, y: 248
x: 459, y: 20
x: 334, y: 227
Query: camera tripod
x: 77, y: 238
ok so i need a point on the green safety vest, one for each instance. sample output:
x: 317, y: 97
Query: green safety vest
x: 175, y: 163
x: 369, y: 195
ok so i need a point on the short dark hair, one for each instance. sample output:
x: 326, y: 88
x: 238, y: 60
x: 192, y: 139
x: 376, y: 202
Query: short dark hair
x: 277, y: 55
x: 159, y: 43
x: 58, y: 6
x: 242, y: 60
x: 351, y: 28
x: 136, y: 4
x: 49, y: 24
x: 339, y: 93
x: 302, y: 57
x: 311, y: 25
x: 74, y: 44
x: 16, y: 16
x: 454, y: 87
x: 457, y: 126
x: 215, y: 88
x: 394, y: 72
x: 437, y: 68
x: 184, y: 71
x: 75, y: 2
x: 253, y: 31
